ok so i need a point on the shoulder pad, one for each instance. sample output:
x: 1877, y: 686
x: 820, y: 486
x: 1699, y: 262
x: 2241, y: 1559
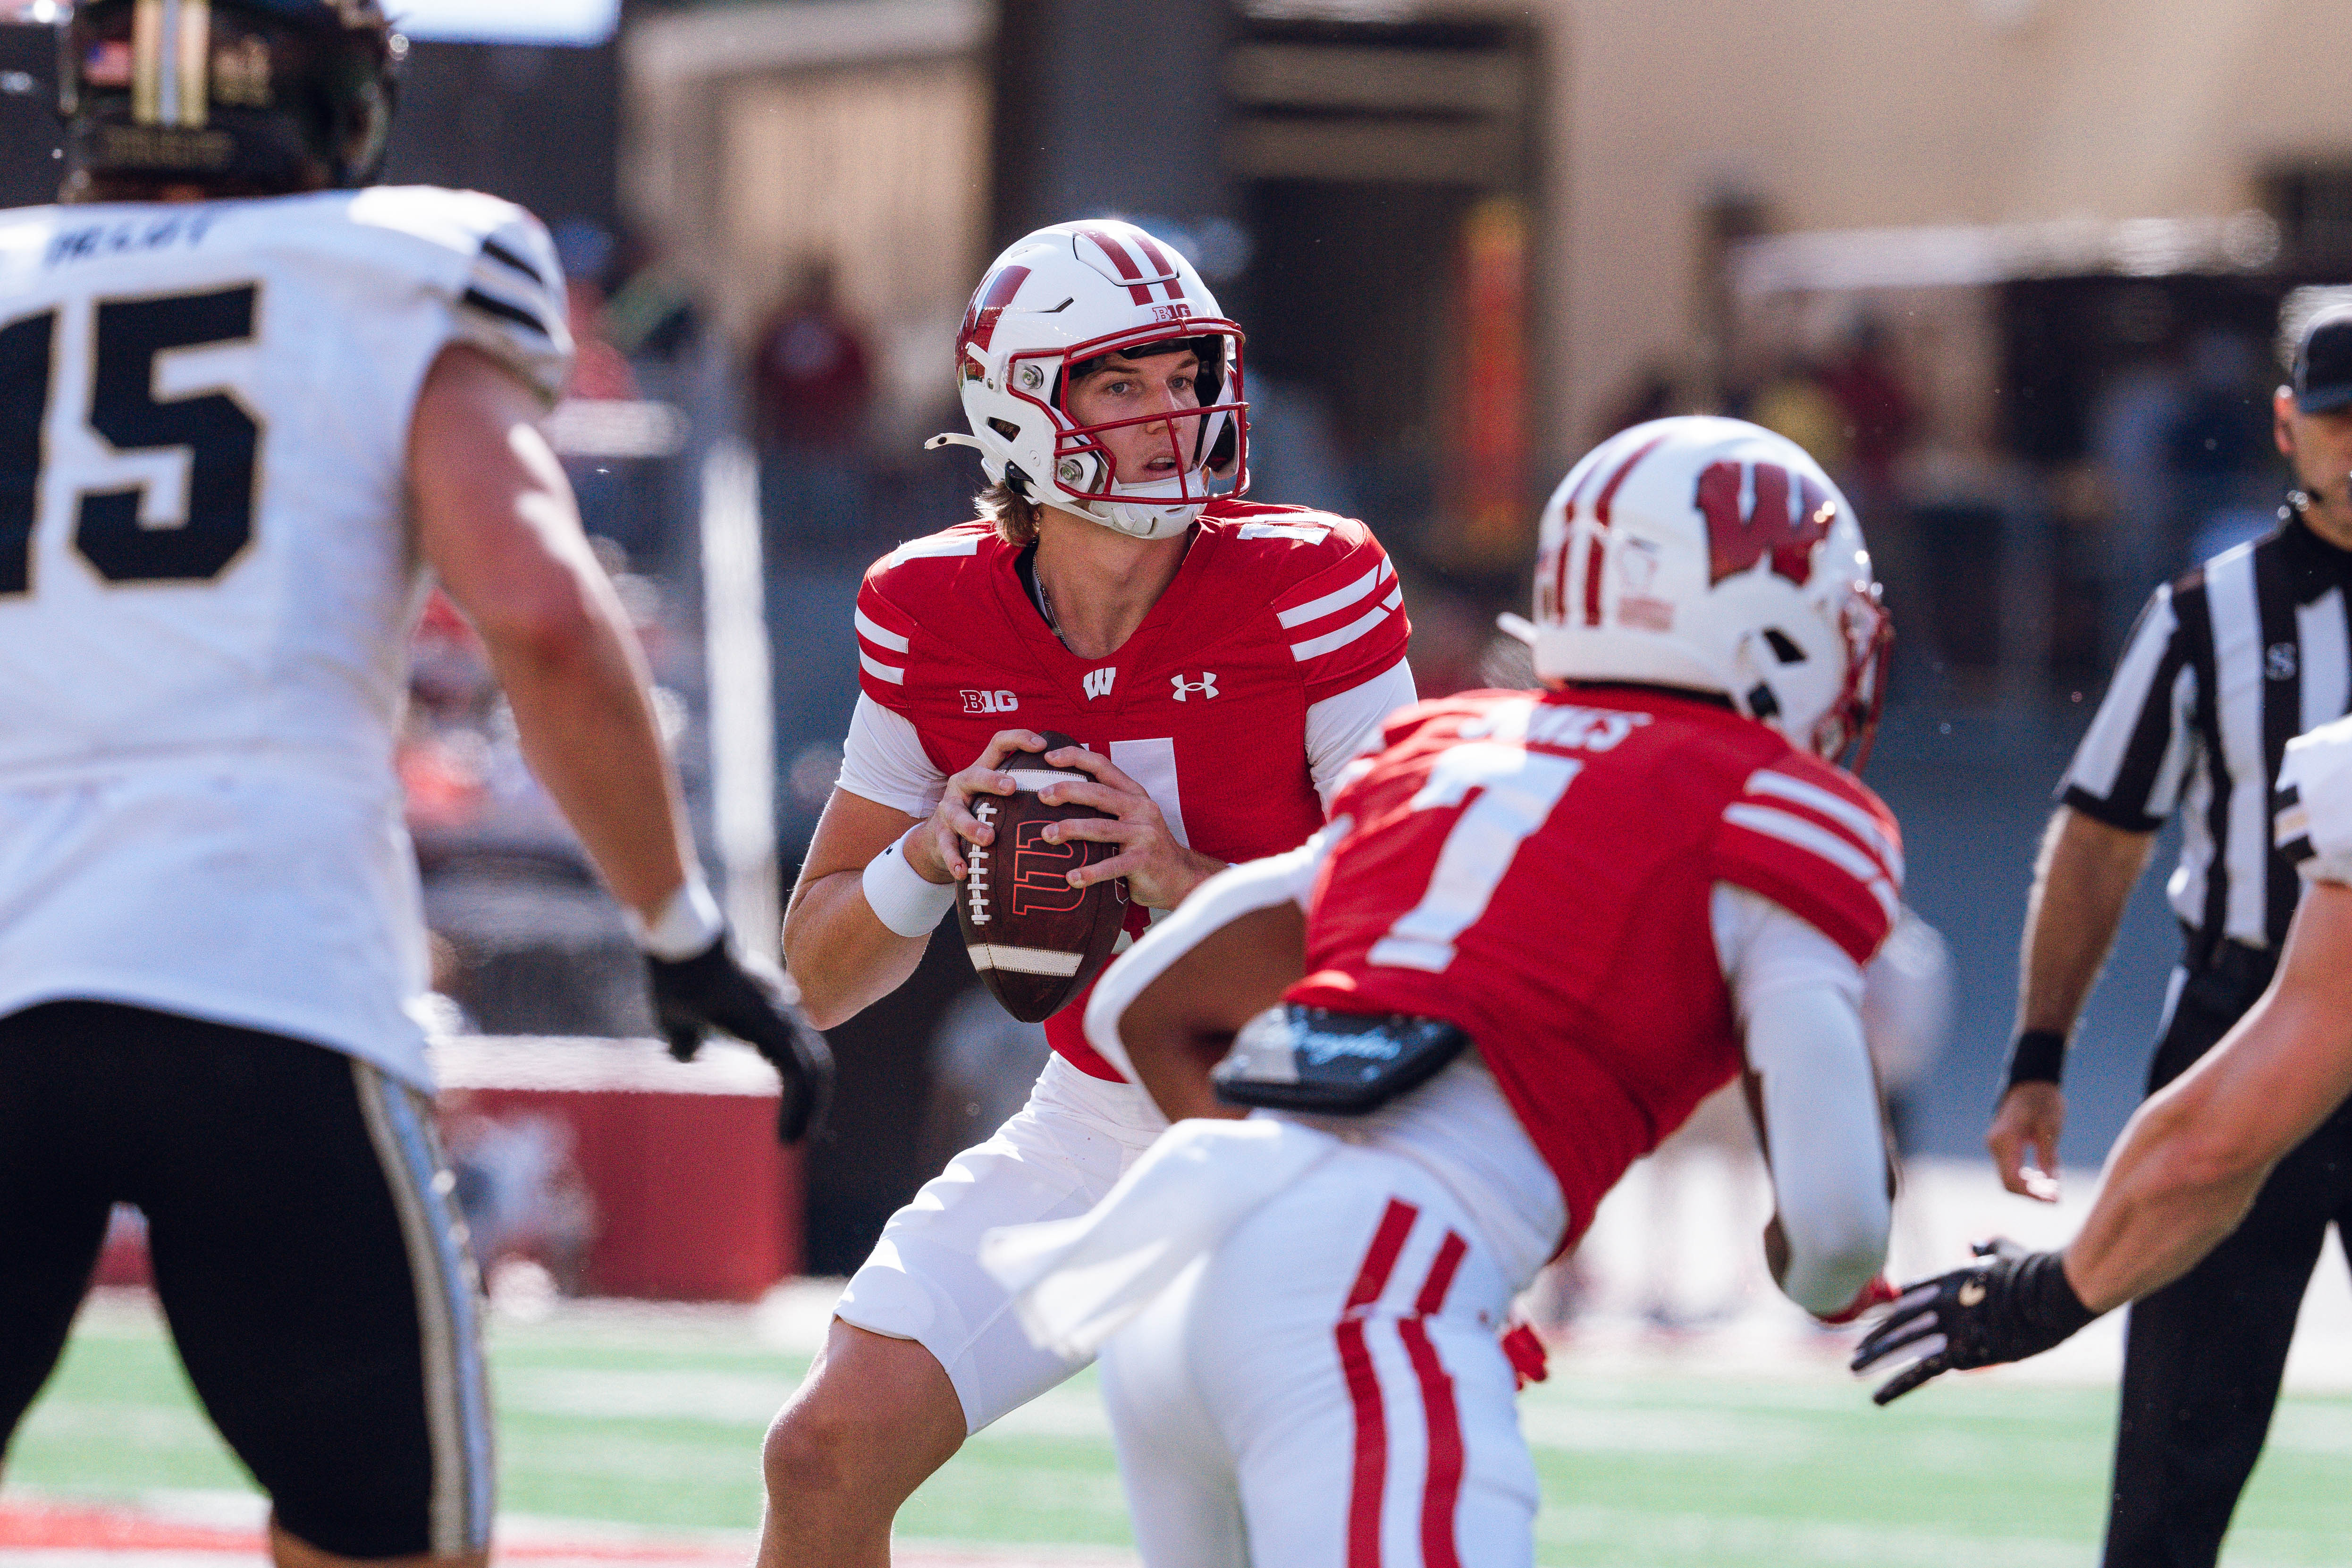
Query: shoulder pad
x: 1816, y: 841
x: 1335, y: 595
x: 2314, y: 821
x: 505, y: 287
x: 914, y: 585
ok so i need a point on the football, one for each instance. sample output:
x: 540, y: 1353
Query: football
x: 1036, y: 942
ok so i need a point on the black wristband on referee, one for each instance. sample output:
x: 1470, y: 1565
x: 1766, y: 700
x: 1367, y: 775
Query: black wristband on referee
x: 2039, y: 1056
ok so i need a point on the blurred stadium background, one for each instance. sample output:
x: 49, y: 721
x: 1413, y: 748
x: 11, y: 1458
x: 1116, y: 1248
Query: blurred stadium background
x: 2013, y: 269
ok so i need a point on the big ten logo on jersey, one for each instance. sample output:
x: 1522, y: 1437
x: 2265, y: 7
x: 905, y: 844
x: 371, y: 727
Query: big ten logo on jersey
x: 1097, y: 682
x: 989, y: 701
x: 1041, y: 872
x: 1203, y: 689
x: 1755, y: 510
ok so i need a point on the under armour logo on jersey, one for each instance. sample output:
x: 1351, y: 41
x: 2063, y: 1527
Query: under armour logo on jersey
x: 1097, y: 682
x: 2279, y: 661
x: 990, y: 701
x: 1206, y: 686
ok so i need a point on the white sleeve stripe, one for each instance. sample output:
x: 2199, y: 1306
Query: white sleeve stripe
x: 1315, y: 647
x: 2107, y: 741
x: 1815, y: 839
x: 880, y: 671
x: 1331, y: 604
x: 876, y: 632
x: 1393, y: 600
x: 1847, y: 814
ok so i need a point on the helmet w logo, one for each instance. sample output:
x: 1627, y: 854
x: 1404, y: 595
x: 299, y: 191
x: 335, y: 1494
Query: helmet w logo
x: 1754, y: 509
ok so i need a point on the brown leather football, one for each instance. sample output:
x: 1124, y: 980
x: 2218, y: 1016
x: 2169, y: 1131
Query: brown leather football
x: 1036, y: 942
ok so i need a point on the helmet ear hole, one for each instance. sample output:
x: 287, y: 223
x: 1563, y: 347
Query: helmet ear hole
x: 1784, y: 646
x: 1761, y: 703
x: 1007, y: 428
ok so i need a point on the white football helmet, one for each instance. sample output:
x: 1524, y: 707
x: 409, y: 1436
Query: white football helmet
x: 1074, y: 293
x: 1713, y: 554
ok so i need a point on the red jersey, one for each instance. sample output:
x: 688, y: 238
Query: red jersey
x: 1539, y: 871
x: 1274, y: 609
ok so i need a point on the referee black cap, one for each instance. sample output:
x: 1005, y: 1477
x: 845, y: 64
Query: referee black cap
x: 2323, y: 363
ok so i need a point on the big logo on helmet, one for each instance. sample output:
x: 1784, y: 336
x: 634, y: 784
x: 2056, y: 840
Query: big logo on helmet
x: 1750, y: 515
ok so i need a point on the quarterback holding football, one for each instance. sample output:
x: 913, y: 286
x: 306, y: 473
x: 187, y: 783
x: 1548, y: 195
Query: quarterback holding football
x: 1538, y: 931
x: 1215, y: 661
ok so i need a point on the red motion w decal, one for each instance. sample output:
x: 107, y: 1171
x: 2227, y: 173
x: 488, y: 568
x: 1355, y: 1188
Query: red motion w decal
x: 980, y: 321
x: 1738, y: 539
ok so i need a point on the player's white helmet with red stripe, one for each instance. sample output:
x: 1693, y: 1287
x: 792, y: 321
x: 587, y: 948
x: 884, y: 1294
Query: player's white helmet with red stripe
x: 1711, y: 553
x: 1074, y: 292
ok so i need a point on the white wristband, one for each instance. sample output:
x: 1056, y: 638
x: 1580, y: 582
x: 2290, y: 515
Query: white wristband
x: 687, y: 925
x: 900, y: 897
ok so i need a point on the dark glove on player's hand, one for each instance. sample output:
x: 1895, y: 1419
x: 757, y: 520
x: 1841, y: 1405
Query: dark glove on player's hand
x: 714, y: 991
x: 2012, y: 1305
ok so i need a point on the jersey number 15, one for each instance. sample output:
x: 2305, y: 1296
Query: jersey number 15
x: 219, y: 436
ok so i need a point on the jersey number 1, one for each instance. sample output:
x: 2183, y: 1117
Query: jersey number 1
x: 220, y: 437
x: 1516, y: 790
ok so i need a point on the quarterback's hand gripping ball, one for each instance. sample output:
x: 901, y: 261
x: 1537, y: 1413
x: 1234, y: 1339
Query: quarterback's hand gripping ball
x: 713, y: 990
x: 1035, y: 941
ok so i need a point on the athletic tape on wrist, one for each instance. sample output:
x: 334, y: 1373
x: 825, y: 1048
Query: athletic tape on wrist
x: 900, y: 897
x: 685, y: 928
x: 2039, y: 1056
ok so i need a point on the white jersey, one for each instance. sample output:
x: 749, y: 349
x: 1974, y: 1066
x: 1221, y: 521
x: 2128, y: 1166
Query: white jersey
x: 2315, y: 784
x: 207, y: 586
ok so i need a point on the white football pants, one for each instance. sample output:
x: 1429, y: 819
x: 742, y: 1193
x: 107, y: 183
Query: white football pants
x: 1326, y: 1389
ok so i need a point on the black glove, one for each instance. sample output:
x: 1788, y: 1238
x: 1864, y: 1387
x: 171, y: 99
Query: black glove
x: 713, y: 991
x: 2012, y: 1305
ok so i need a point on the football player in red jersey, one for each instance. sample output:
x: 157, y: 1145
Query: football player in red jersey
x: 1537, y: 930
x: 1220, y: 662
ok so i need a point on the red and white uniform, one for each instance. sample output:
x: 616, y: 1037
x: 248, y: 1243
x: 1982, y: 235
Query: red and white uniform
x: 1623, y: 899
x: 1267, y: 665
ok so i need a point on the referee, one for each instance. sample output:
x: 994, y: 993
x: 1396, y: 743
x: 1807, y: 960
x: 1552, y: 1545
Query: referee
x: 2225, y: 667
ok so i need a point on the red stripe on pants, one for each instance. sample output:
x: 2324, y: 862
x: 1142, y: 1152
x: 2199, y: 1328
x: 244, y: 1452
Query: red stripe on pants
x: 1364, y: 1385
x: 1443, y: 1492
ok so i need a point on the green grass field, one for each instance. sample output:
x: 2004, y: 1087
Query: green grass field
x: 653, y: 1420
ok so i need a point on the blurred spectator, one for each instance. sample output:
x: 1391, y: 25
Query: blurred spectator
x: 2219, y: 450
x: 1879, y: 414
x: 1796, y: 404
x: 1650, y: 395
x: 983, y: 1060
x: 651, y: 313
x: 813, y: 388
x: 1450, y: 635
x: 521, y: 1189
x: 1293, y: 451
x: 2131, y: 422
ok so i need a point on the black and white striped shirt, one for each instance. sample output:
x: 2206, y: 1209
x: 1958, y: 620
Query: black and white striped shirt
x: 2226, y: 666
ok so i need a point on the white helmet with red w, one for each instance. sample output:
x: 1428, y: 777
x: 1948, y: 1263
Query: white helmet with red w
x: 1713, y: 554
x: 1075, y: 292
